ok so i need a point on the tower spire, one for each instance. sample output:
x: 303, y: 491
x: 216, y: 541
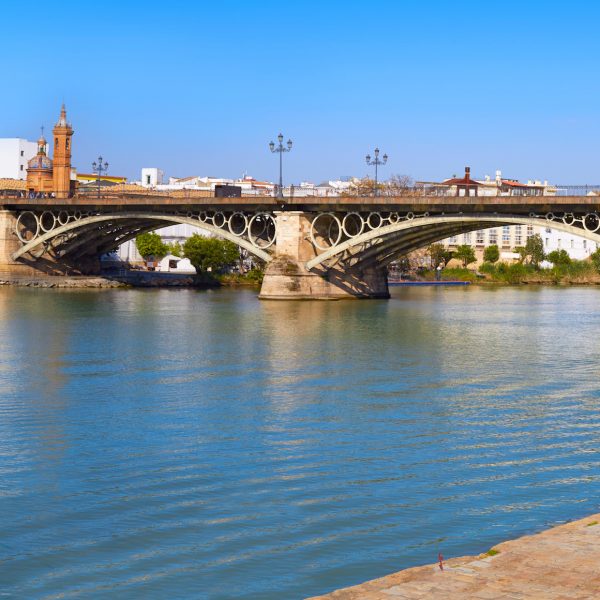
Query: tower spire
x: 62, y: 120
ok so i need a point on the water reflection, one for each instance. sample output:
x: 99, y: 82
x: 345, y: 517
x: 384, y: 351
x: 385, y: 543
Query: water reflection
x: 158, y: 443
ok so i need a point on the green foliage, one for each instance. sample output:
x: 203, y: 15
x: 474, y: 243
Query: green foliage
x: 492, y: 552
x: 521, y: 251
x: 439, y: 254
x: 458, y: 274
x: 595, y: 257
x: 175, y: 249
x: 559, y: 258
x: 491, y: 254
x: 151, y: 244
x: 465, y: 254
x: 487, y: 268
x: 210, y: 253
x: 535, y: 249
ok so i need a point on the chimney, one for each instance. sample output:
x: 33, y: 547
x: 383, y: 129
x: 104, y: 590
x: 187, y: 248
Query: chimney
x: 468, y: 173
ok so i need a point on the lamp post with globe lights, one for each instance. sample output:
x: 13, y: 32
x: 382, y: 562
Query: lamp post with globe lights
x: 280, y: 148
x: 99, y: 168
x: 376, y: 162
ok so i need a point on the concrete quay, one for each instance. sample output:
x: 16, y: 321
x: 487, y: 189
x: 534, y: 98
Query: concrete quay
x: 562, y: 563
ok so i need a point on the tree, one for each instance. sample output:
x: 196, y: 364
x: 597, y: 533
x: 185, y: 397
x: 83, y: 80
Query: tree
x: 535, y: 249
x: 559, y: 258
x: 175, y: 249
x: 465, y: 254
x: 151, y: 244
x: 398, y: 185
x: 522, y: 252
x: 439, y: 254
x: 491, y: 254
x: 209, y: 253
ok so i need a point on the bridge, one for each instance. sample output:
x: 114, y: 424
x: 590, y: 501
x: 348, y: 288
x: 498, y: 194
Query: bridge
x: 314, y: 247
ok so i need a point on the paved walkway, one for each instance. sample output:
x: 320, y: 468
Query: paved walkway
x: 562, y: 563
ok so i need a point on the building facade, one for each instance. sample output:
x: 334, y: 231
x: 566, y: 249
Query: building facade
x: 15, y: 153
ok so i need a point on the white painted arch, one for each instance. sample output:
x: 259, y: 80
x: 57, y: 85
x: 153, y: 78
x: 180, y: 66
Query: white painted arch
x: 470, y: 223
x: 142, y: 217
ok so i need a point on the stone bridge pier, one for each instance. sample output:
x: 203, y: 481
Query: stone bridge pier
x: 288, y: 278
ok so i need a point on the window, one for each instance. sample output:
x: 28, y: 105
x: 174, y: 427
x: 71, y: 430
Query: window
x: 585, y: 244
x: 67, y: 143
x: 467, y: 238
x: 21, y: 167
x: 558, y: 243
x: 493, y: 236
x: 452, y: 240
x: 56, y: 142
x: 506, y: 235
x: 572, y: 243
x: 529, y: 230
x: 147, y: 179
x: 22, y: 152
x: 479, y: 239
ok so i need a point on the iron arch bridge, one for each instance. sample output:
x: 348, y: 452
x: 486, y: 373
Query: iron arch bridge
x: 75, y: 234
x: 375, y: 238
x: 337, y: 245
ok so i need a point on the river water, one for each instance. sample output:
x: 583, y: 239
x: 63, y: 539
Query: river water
x: 204, y: 444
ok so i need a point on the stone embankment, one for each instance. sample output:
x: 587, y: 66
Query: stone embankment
x: 562, y: 563
x: 61, y: 282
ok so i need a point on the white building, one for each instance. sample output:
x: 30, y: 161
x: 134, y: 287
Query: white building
x: 152, y: 177
x: 14, y: 155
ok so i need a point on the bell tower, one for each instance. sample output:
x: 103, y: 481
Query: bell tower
x: 62, y: 155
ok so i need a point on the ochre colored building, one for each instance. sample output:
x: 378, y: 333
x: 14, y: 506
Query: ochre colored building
x: 48, y: 176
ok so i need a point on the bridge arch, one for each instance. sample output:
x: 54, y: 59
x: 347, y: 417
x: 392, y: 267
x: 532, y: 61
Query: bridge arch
x: 385, y: 244
x: 111, y: 230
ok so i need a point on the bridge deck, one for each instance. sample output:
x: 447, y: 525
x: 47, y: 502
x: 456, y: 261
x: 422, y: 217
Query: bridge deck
x: 501, y: 204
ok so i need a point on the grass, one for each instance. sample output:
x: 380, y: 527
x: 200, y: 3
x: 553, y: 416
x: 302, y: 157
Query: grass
x: 492, y: 552
x: 592, y: 523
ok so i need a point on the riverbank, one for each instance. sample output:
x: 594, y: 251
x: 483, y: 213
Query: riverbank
x: 576, y: 273
x: 559, y: 563
x: 126, y: 279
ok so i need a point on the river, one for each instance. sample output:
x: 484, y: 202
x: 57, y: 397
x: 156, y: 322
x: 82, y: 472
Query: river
x: 205, y: 444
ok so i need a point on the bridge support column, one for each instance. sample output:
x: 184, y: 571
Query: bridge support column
x: 287, y: 277
x: 9, y: 243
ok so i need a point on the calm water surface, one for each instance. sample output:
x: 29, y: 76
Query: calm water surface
x: 184, y: 444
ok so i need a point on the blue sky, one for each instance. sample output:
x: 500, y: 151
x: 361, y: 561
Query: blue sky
x: 200, y: 88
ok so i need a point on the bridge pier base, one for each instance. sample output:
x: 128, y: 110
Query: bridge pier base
x: 287, y: 277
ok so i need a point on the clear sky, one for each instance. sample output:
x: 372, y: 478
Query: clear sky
x: 200, y: 88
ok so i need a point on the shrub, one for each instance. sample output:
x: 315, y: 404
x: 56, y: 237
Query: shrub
x: 559, y: 257
x: 491, y: 254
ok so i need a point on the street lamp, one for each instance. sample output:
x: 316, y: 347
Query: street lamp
x: 376, y: 162
x: 280, y: 148
x: 98, y: 169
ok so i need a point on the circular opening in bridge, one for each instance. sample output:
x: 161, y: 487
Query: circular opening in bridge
x: 568, y: 218
x: 353, y: 224
x: 63, y: 217
x: 591, y: 222
x: 219, y: 219
x: 27, y: 227
x: 374, y: 220
x: 261, y: 230
x: 393, y: 217
x: 47, y: 221
x: 325, y: 231
x: 238, y: 223
x: 203, y: 216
